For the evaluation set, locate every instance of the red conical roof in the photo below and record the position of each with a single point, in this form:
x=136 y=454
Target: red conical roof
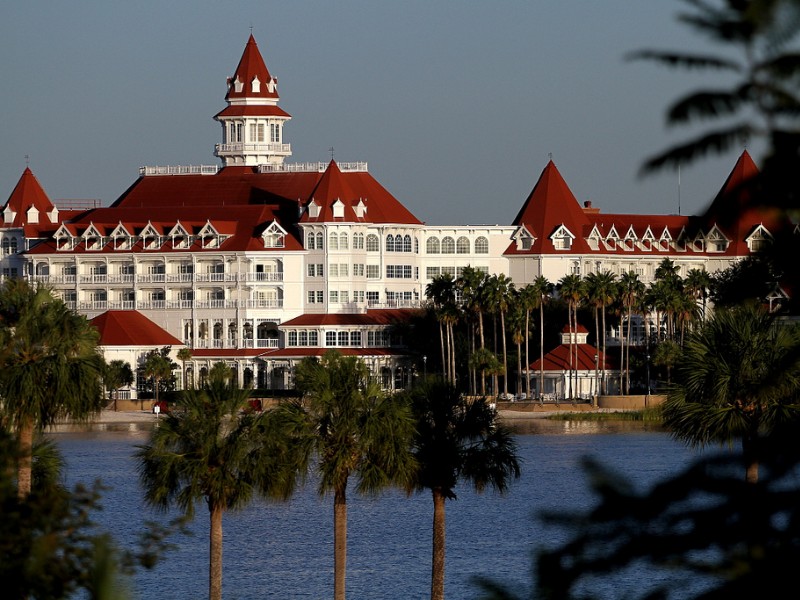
x=252 y=66
x=550 y=204
x=28 y=192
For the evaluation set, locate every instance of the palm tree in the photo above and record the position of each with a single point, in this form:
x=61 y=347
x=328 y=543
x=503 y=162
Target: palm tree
x=456 y=441
x=763 y=35
x=469 y=283
x=210 y=451
x=117 y=374
x=572 y=289
x=50 y=367
x=601 y=290
x=738 y=378
x=183 y=355
x=542 y=289
x=503 y=289
x=631 y=290
x=697 y=284
x=157 y=367
x=517 y=321
x=351 y=428
x=441 y=291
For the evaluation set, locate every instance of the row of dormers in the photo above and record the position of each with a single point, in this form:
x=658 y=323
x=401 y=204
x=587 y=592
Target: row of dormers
x=712 y=241
x=337 y=208
x=156 y=236
x=31 y=215
x=255 y=85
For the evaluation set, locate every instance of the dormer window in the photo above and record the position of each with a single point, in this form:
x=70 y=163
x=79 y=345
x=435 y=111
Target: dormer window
x=255 y=85
x=562 y=238
x=338 y=209
x=8 y=215
x=33 y=215
x=238 y=86
x=716 y=241
x=313 y=209
x=151 y=240
x=361 y=209
x=760 y=240
x=92 y=238
x=274 y=236
x=180 y=237
x=524 y=239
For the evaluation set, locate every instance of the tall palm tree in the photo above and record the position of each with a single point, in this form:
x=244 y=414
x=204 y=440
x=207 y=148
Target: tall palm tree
x=503 y=291
x=351 y=428
x=738 y=378
x=183 y=355
x=50 y=367
x=157 y=367
x=517 y=321
x=210 y=451
x=697 y=283
x=541 y=291
x=631 y=290
x=573 y=290
x=441 y=291
x=116 y=374
x=469 y=283
x=601 y=291
x=456 y=441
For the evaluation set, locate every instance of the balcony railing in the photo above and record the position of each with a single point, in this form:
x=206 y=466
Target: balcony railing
x=257 y=148
x=249 y=277
x=180 y=170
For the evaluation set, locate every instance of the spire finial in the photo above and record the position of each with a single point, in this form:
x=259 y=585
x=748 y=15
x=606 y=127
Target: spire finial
x=331 y=151
x=550 y=156
x=27 y=160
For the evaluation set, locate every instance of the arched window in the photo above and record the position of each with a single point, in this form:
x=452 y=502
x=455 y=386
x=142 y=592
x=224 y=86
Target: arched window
x=481 y=245
x=333 y=241
x=407 y=243
x=448 y=245
x=310 y=245
x=320 y=241
x=462 y=245
x=343 y=242
x=398 y=243
x=373 y=243
x=390 y=243
x=432 y=246
x=358 y=241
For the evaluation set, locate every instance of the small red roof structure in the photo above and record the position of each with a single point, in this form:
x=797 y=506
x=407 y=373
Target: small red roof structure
x=252 y=68
x=131 y=328
x=28 y=194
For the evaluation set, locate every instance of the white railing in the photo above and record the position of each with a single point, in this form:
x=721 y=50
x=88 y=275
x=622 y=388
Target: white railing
x=94 y=278
x=254 y=277
x=264 y=303
x=267 y=343
x=259 y=148
x=312 y=167
x=249 y=277
x=179 y=170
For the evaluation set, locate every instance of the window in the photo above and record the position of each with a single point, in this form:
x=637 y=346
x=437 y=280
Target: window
x=358 y=270
x=320 y=241
x=310 y=245
x=342 y=338
x=291 y=339
x=358 y=296
x=448 y=245
x=398 y=243
x=333 y=296
x=333 y=270
x=312 y=297
x=320 y=297
x=431 y=272
x=358 y=241
x=312 y=270
x=481 y=245
x=398 y=271
x=355 y=338
x=330 y=338
x=373 y=297
x=343 y=270
x=343 y=245
x=462 y=245
x=275 y=133
x=432 y=246
x=373 y=272
x=373 y=243
x=390 y=243
x=407 y=243
x=344 y=297
x=333 y=241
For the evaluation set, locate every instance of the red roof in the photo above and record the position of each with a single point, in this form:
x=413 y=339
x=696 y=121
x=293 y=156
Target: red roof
x=558 y=359
x=386 y=316
x=131 y=328
x=251 y=66
x=28 y=193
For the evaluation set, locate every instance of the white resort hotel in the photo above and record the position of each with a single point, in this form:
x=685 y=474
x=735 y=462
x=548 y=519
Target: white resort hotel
x=259 y=262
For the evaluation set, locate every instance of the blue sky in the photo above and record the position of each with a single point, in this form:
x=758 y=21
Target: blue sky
x=456 y=105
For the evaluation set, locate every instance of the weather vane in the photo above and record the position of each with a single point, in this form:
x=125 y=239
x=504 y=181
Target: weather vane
x=331 y=151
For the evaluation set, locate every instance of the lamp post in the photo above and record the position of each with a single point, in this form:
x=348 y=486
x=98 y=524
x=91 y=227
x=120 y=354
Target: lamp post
x=648 y=374
x=425 y=367
x=596 y=376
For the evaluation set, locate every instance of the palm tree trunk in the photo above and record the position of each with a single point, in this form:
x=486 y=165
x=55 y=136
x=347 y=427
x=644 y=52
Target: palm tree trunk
x=603 y=380
x=215 y=553
x=527 y=359
x=483 y=345
x=339 y=543
x=541 y=353
x=597 y=345
x=452 y=353
x=24 y=476
x=437 y=558
x=442 y=343
x=505 y=353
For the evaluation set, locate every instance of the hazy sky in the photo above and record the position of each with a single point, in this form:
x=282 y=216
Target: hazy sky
x=456 y=105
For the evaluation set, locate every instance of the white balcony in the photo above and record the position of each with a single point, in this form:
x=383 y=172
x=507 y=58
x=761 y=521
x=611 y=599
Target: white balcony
x=180 y=170
x=252 y=148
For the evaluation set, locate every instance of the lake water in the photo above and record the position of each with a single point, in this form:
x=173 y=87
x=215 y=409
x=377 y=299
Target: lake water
x=285 y=550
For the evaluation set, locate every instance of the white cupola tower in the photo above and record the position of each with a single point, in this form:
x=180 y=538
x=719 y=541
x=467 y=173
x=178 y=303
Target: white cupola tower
x=252 y=124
